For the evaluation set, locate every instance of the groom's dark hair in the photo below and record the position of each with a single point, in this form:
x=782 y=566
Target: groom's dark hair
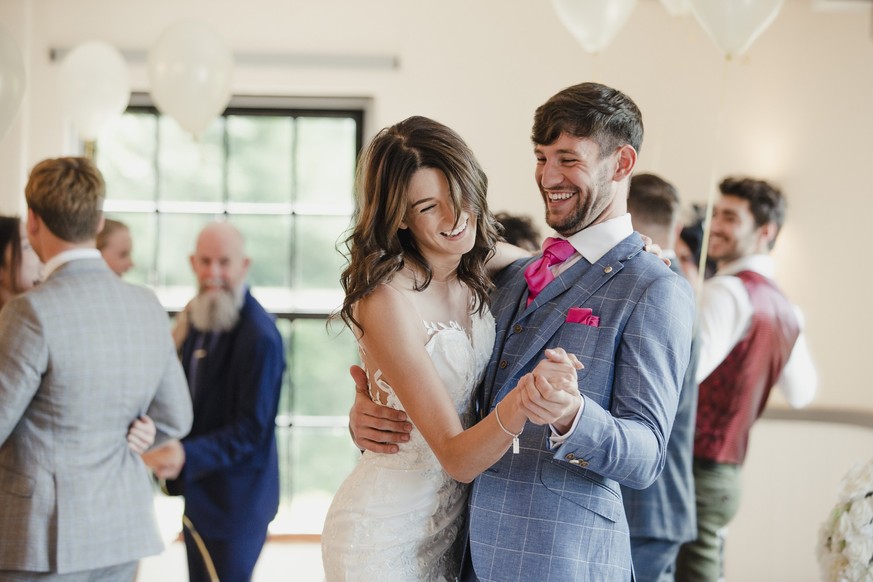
x=590 y=110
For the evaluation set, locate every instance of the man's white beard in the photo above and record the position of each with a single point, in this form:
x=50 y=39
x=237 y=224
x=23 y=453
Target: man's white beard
x=214 y=311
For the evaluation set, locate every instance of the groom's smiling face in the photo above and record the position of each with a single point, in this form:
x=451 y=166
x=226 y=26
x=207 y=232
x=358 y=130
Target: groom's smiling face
x=576 y=183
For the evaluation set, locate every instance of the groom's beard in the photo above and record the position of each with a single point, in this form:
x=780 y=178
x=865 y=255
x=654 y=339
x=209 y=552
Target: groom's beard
x=214 y=310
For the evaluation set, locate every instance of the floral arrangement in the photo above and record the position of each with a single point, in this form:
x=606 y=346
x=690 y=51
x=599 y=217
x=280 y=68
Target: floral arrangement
x=845 y=545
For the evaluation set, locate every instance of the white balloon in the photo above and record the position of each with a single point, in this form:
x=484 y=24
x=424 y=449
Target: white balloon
x=677 y=7
x=735 y=24
x=12 y=80
x=190 y=69
x=594 y=23
x=94 y=86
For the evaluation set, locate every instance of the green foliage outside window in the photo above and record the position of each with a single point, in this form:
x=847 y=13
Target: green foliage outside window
x=285 y=179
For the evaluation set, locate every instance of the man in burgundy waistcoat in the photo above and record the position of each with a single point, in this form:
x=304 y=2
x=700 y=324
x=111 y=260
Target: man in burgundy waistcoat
x=750 y=340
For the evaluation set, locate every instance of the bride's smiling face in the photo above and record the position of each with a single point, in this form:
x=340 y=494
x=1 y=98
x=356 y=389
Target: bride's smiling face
x=430 y=217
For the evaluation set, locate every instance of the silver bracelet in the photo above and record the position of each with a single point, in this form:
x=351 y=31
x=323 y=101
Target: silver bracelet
x=515 y=445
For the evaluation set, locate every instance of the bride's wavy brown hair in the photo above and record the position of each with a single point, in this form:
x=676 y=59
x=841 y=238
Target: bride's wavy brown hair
x=377 y=247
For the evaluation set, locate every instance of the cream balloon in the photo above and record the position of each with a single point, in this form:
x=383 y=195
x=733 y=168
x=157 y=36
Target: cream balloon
x=735 y=24
x=594 y=23
x=190 y=69
x=12 y=80
x=677 y=7
x=94 y=86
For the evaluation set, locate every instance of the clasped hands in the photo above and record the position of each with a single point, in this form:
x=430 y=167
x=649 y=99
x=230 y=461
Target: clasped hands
x=550 y=393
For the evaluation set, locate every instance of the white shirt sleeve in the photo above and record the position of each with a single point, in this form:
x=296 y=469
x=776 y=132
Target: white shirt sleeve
x=799 y=379
x=557 y=439
x=723 y=317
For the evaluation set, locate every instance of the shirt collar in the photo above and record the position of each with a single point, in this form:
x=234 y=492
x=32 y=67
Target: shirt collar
x=598 y=239
x=65 y=257
x=762 y=264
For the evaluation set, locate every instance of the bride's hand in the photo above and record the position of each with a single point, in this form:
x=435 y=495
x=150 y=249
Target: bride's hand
x=550 y=394
x=559 y=370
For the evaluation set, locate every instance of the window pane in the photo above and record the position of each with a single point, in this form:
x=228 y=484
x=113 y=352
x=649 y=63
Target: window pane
x=259 y=158
x=126 y=156
x=326 y=151
x=317 y=262
x=176 y=238
x=313 y=462
x=268 y=244
x=286 y=181
x=318 y=362
x=143 y=228
x=285 y=404
x=191 y=170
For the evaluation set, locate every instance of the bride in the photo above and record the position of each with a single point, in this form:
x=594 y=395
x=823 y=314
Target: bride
x=417 y=290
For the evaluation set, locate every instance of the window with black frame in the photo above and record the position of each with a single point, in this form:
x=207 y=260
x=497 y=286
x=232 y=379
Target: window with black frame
x=284 y=176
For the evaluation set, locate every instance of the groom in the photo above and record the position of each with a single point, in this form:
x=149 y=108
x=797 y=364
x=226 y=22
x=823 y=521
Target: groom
x=554 y=511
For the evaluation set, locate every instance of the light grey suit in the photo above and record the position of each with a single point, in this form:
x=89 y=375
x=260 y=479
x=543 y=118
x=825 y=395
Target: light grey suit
x=81 y=356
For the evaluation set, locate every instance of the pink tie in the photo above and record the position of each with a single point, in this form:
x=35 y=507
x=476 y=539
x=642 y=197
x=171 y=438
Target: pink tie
x=538 y=274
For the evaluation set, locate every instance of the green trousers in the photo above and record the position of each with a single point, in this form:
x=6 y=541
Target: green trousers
x=717 y=490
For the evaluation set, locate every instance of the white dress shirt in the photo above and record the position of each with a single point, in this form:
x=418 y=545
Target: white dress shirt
x=66 y=256
x=724 y=318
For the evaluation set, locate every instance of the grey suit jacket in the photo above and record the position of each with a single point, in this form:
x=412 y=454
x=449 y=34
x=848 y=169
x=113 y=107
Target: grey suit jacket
x=556 y=513
x=81 y=356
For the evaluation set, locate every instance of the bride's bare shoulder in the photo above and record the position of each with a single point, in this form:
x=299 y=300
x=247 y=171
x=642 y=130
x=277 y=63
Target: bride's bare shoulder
x=388 y=312
x=385 y=302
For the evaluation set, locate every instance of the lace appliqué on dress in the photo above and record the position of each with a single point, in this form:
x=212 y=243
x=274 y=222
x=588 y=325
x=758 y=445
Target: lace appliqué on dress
x=401 y=517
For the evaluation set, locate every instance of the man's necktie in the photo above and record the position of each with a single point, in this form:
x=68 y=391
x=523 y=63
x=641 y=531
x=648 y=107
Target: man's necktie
x=203 y=343
x=538 y=274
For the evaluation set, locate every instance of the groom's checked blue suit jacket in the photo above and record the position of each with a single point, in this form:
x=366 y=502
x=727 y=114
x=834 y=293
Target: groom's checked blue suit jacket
x=556 y=513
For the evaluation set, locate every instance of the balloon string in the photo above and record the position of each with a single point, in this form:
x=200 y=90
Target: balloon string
x=90 y=149
x=713 y=186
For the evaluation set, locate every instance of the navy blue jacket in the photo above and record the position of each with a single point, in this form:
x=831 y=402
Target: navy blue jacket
x=231 y=475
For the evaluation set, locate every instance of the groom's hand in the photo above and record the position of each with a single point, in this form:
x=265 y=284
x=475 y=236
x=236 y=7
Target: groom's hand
x=559 y=368
x=551 y=391
x=545 y=404
x=374 y=427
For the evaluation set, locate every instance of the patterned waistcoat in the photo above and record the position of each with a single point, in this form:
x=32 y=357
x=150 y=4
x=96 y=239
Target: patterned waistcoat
x=734 y=395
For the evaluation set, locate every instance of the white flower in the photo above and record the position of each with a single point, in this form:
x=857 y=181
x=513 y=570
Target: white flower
x=845 y=544
x=857 y=483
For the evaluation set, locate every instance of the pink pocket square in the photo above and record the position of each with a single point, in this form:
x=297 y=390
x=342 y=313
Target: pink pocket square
x=583 y=315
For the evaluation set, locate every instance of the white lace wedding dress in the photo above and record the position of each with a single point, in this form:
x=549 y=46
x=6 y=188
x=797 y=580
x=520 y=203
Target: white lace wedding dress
x=400 y=517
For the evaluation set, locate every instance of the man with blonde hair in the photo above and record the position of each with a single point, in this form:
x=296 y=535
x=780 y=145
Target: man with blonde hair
x=81 y=357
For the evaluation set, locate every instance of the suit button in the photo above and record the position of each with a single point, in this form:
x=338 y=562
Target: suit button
x=517 y=328
x=571 y=458
x=503 y=364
